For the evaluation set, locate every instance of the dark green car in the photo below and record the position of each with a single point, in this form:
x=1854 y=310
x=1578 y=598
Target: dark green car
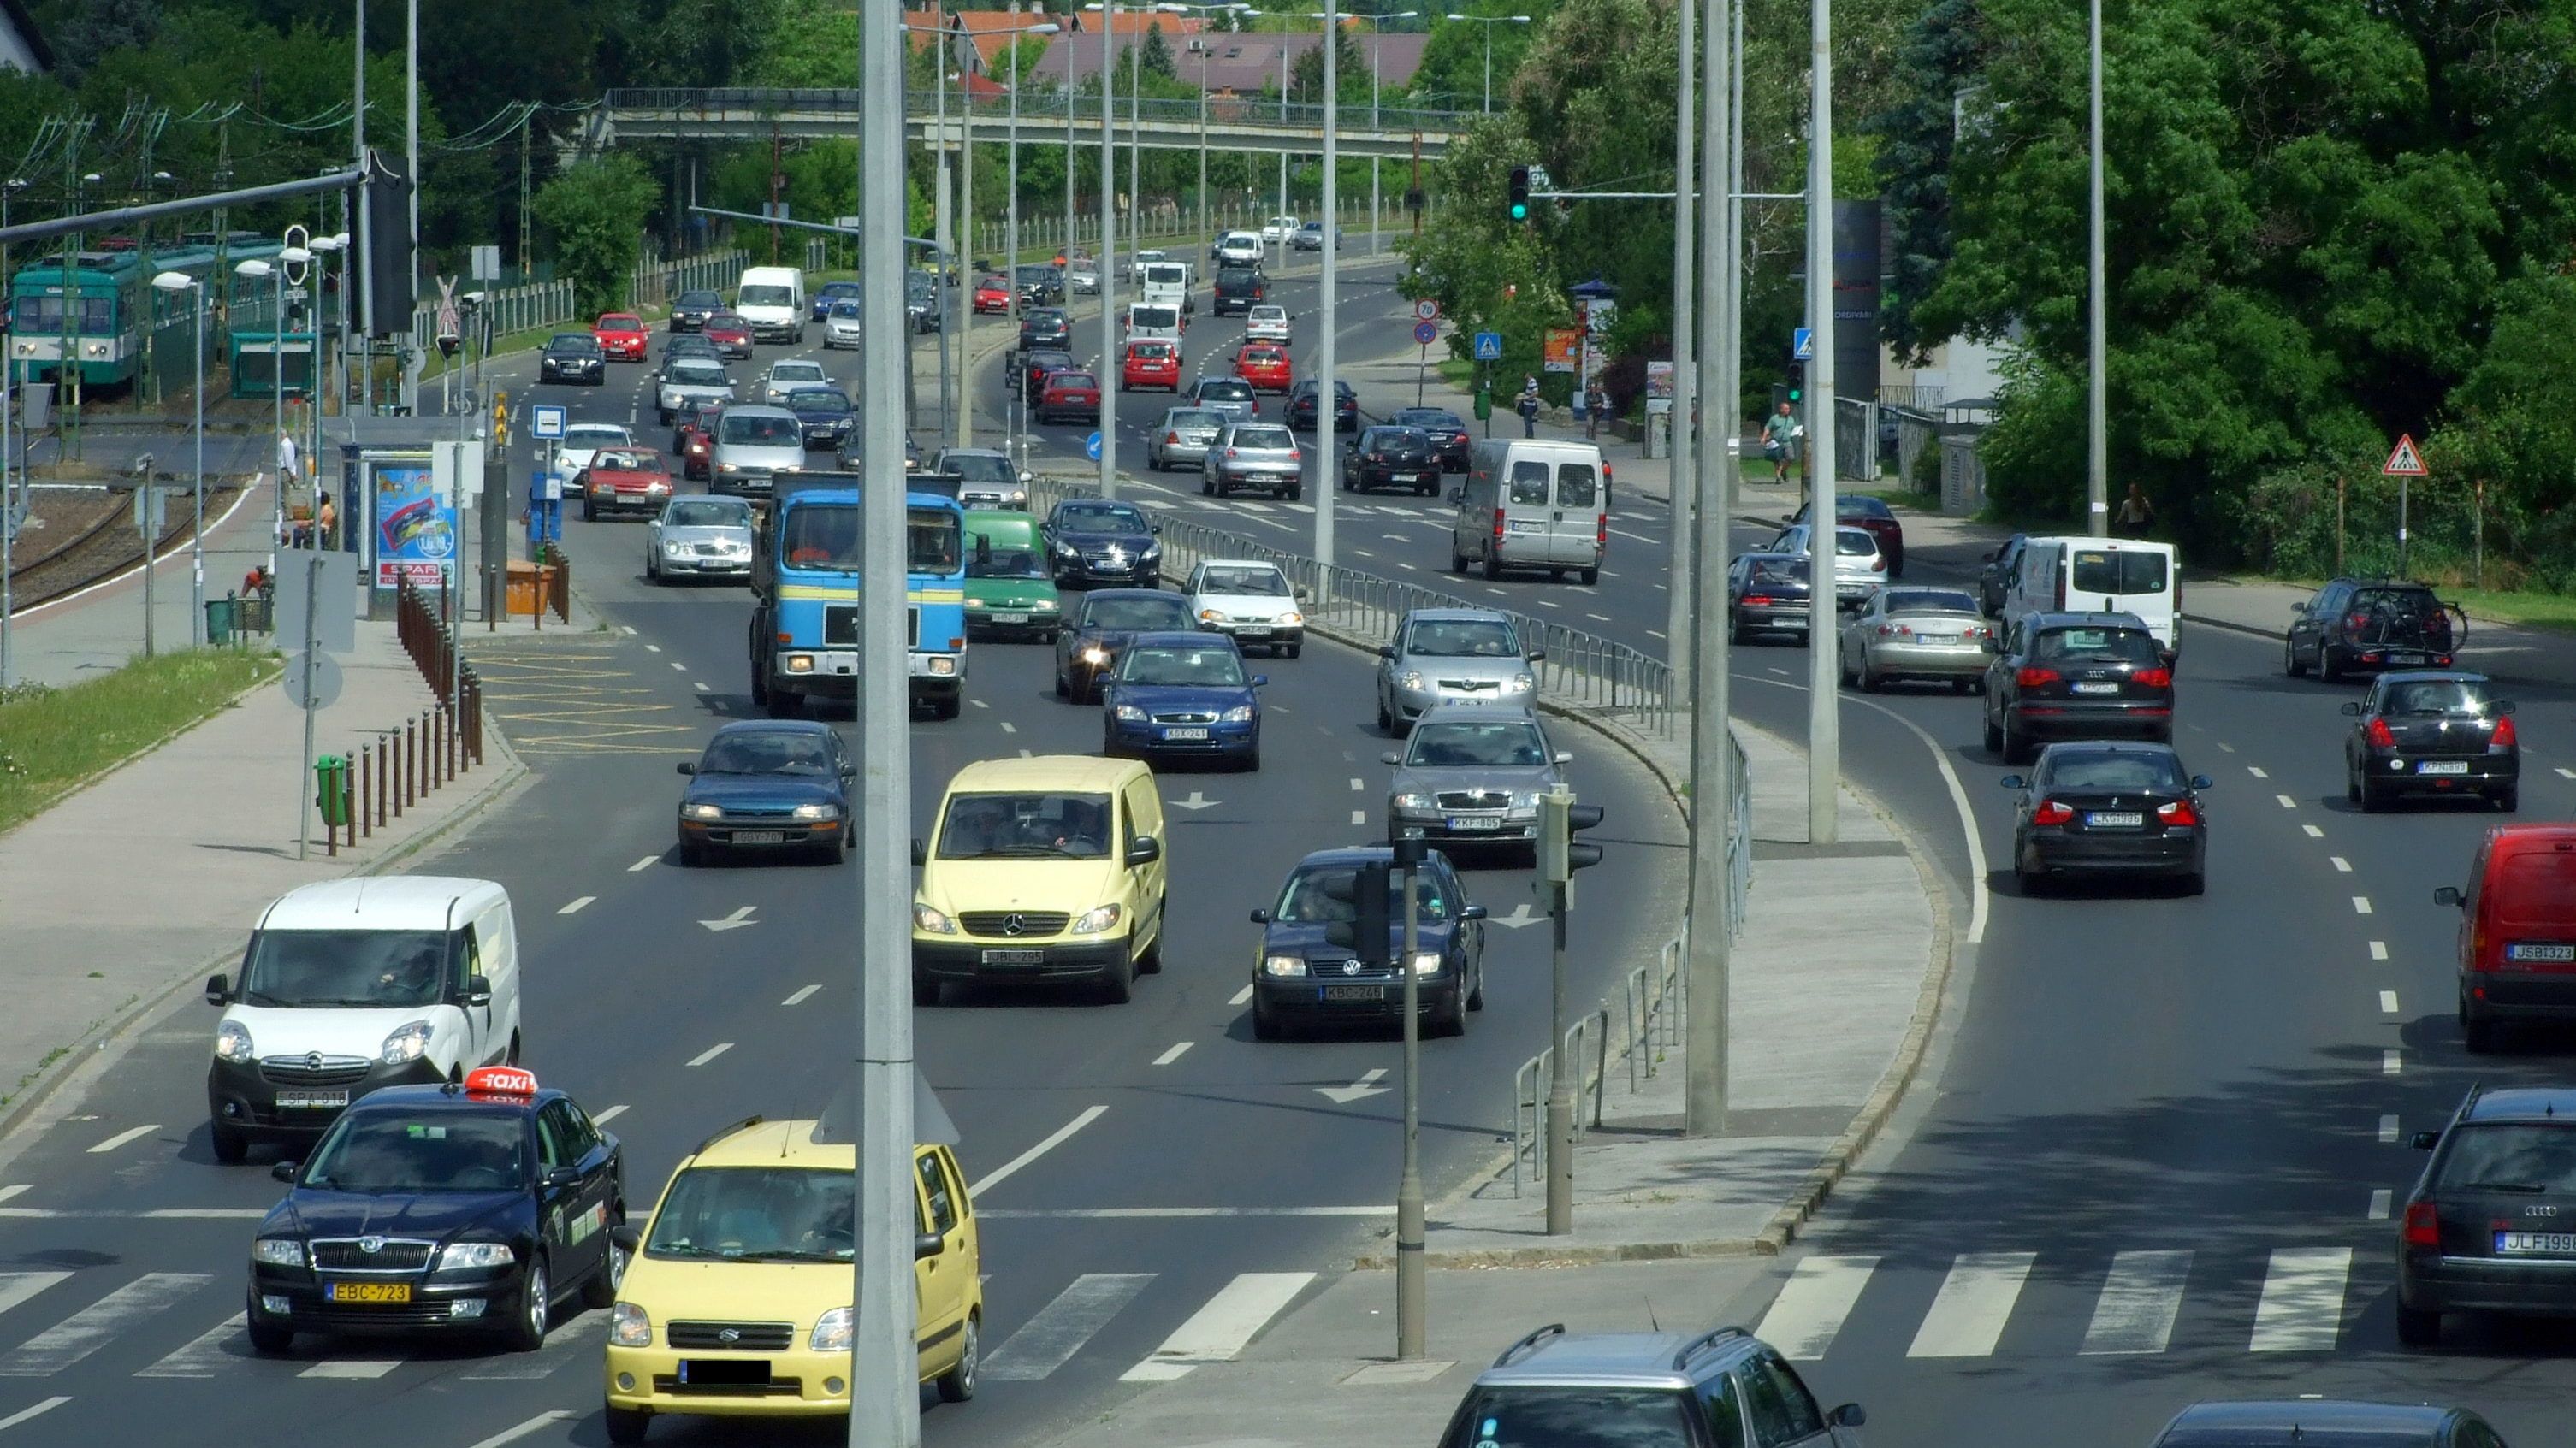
x=1010 y=592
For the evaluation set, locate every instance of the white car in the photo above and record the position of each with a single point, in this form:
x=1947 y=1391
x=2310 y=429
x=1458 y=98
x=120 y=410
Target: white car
x=1860 y=570
x=841 y=324
x=1238 y=248
x=1250 y=602
x=786 y=376
x=583 y=440
x=1266 y=323
x=1279 y=228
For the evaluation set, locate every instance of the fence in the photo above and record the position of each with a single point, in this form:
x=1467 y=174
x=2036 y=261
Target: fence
x=1041 y=106
x=400 y=766
x=512 y=309
x=1856 y=439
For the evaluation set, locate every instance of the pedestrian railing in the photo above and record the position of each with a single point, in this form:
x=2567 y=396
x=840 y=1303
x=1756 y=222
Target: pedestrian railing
x=1036 y=107
x=1535 y=1083
x=512 y=309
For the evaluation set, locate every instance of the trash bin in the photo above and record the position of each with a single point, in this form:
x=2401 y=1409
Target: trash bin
x=219 y=622
x=331 y=788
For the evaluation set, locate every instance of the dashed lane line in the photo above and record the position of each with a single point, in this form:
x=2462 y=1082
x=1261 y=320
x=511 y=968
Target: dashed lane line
x=646 y=863
x=122 y=1137
x=2381 y=1199
x=2379 y=950
x=2342 y=865
x=802 y=995
x=2388 y=1130
x=1174 y=1054
x=609 y=1115
x=2360 y=904
x=575 y=907
x=709 y=1054
x=2388 y=1002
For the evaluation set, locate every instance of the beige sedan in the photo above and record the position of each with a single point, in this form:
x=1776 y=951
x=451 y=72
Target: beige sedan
x=1933 y=634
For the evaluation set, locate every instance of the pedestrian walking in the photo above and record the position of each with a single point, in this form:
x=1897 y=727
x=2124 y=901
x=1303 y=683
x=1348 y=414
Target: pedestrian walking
x=1780 y=441
x=1528 y=407
x=1595 y=402
x=2136 y=514
x=287 y=466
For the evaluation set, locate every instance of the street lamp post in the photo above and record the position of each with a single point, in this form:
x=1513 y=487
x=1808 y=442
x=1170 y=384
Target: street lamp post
x=2097 y=401
x=1328 y=412
x=171 y=281
x=1108 y=253
x=1377 y=83
x=9 y=518
x=1012 y=204
x=1489 y=22
x=323 y=248
x=256 y=268
x=1234 y=10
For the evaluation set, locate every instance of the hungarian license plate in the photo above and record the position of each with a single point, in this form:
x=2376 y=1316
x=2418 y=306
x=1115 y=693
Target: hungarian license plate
x=1014 y=957
x=2441 y=766
x=724 y=1372
x=1193 y=732
x=1474 y=822
x=2095 y=686
x=1254 y=633
x=1355 y=992
x=1525 y=525
x=1010 y=618
x=759 y=837
x=2406 y=656
x=371 y=1293
x=2540 y=952
x=312 y=1100
x=2553 y=1243
x=2114 y=819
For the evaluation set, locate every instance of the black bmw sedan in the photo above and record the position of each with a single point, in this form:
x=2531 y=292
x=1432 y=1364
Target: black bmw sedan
x=2101 y=807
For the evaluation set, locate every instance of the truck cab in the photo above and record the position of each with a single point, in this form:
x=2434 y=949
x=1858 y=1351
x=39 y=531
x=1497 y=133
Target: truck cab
x=805 y=583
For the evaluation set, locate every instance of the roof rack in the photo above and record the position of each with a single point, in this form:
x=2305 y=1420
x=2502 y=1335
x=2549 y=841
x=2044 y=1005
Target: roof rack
x=743 y=1125
x=1705 y=1340
x=1553 y=1329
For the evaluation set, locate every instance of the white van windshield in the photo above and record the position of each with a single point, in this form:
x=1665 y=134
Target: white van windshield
x=764 y=294
x=316 y=968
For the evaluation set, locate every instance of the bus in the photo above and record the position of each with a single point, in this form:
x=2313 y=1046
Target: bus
x=805 y=582
x=112 y=303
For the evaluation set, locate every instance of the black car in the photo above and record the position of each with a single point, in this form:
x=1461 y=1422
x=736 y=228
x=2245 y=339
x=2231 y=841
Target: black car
x=1391 y=457
x=690 y=310
x=1045 y=328
x=1448 y=432
x=462 y=1208
x=765 y=785
x=1238 y=287
x=1096 y=541
x=2487 y=1227
x=825 y=413
x=2360 y=625
x=1994 y=576
x=2077 y=676
x=1101 y=626
x=2432 y=732
x=1872 y=516
x=1346 y=406
x=830 y=292
x=2101 y=807
x=1313 y=970
x=2315 y=1423
x=1768 y=593
x=572 y=357
x=1041 y=285
x=691 y=345
x=1034 y=367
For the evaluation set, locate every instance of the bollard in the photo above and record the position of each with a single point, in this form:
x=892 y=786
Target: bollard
x=365 y=822
x=430 y=778
x=349 y=805
x=384 y=780
x=402 y=770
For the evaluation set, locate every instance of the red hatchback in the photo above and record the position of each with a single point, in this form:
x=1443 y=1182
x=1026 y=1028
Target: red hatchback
x=1151 y=364
x=2517 y=933
x=1265 y=366
x=992 y=294
x=1069 y=394
x=623 y=480
x=730 y=334
x=695 y=440
x=622 y=336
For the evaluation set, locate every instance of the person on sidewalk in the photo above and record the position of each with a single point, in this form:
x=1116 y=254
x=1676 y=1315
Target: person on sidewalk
x=2136 y=514
x=1528 y=407
x=1595 y=402
x=1780 y=441
x=288 y=469
x=326 y=524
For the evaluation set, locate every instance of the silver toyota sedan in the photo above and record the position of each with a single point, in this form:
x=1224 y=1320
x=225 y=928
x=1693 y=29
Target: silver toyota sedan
x=1934 y=634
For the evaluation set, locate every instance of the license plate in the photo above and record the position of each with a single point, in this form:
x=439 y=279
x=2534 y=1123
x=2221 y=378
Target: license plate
x=2553 y=1243
x=381 y=1293
x=1189 y=733
x=1355 y=992
x=1525 y=525
x=1010 y=618
x=312 y=1100
x=2540 y=952
x=1253 y=633
x=2408 y=656
x=759 y=837
x=2095 y=687
x=2114 y=819
x=724 y=1372
x=2441 y=766
x=1014 y=957
x=1474 y=822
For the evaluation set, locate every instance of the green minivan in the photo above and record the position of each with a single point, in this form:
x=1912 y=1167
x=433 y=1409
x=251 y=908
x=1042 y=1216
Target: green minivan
x=1010 y=593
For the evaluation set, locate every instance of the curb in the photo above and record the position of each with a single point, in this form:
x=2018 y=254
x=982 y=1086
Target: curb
x=2233 y=627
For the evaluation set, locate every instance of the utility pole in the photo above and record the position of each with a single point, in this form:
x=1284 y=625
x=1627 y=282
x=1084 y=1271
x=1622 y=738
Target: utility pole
x=1677 y=604
x=413 y=357
x=2097 y=389
x=965 y=436
x=1412 y=1285
x=1710 y=938
x=1559 y=820
x=1824 y=666
x=1328 y=412
x=1108 y=251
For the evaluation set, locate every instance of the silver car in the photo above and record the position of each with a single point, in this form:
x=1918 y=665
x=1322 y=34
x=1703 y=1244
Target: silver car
x=1918 y=633
x=698 y=537
x=1472 y=774
x=788 y=374
x=1258 y=455
x=841 y=324
x=1452 y=656
x=753 y=443
x=1859 y=568
x=1183 y=436
x=689 y=382
x=1231 y=396
x=1082 y=276
x=992 y=480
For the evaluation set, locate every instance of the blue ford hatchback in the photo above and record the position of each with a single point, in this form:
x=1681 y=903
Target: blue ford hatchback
x=1182 y=694
x=768 y=784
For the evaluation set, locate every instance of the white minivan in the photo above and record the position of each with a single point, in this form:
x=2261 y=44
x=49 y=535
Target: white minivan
x=352 y=985
x=1531 y=503
x=1166 y=282
x=771 y=301
x=1154 y=322
x=2109 y=575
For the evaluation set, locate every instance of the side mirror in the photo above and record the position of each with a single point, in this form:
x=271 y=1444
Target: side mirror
x=928 y=1244
x=478 y=991
x=2298 y=608
x=2203 y=781
x=2450 y=895
x=1144 y=850
x=219 y=990
x=626 y=1239
x=2352 y=707
x=1157 y=527
x=2425 y=1140
x=1537 y=655
x=1260 y=917
x=848 y=773
x=2013 y=781
x=1788 y=517
x=1299 y=592
x=688 y=766
x=1260 y=680
x=1386 y=651
x=1849 y=1415
x=563 y=1178
x=2504 y=706
x=1387 y=758
x=285 y=1170
x=920 y=853
x=1026 y=477
x=1471 y=912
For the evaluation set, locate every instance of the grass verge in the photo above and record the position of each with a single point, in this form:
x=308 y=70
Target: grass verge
x=51 y=740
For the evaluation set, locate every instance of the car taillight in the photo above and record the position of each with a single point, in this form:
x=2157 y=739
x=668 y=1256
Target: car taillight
x=2379 y=735
x=1230 y=452
x=2504 y=737
x=2179 y=812
x=1171 y=437
x=2423 y=1225
x=1601 y=530
x=1760 y=600
x=2050 y=812
x=1498 y=522
x=1878 y=564
x=2030 y=678
x=2153 y=678
x=1296 y=456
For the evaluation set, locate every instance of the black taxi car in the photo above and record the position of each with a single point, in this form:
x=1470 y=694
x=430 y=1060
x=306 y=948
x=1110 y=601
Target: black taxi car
x=470 y=1207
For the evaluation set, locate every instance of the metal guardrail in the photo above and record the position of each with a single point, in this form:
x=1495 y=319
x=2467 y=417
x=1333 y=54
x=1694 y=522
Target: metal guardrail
x=1040 y=106
x=1535 y=1082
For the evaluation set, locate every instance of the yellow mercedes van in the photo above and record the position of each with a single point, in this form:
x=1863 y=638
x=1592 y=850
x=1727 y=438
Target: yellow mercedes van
x=1041 y=869
x=736 y=1298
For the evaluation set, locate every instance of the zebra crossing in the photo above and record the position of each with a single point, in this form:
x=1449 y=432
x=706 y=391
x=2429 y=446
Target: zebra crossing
x=138 y=1326
x=1983 y=1304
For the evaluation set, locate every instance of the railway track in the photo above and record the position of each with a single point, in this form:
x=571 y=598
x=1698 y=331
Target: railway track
x=101 y=545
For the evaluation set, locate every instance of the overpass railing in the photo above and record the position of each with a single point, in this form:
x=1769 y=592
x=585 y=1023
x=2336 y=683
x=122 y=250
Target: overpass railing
x=1039 y=107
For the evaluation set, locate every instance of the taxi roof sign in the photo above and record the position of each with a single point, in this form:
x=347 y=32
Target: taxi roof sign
x=501 y=1081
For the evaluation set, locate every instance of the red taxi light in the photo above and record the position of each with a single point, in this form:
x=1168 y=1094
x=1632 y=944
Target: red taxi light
x=502 y=1081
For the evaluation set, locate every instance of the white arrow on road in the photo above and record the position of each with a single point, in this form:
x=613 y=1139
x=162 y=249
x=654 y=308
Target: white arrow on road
x=1363 y=1087
x=1519 y=919
x=742 y=917
x=1196 y=800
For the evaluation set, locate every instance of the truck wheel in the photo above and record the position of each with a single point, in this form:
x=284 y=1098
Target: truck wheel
x=947 y=707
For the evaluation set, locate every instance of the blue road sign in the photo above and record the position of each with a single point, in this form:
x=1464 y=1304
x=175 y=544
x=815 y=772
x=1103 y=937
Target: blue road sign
x=1802 y=344
x=548 y=422
x=1489 y=346
x=1091 y=447
x=1426 y=333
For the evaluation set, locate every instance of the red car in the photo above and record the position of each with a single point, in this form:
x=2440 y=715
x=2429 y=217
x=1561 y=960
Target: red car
x=1069 y=394
x=695 y=440
x=1265 y=366
x=623 y=480
x=1151 y=364
x=992 y=294
x=730 y=334
x=622 y=336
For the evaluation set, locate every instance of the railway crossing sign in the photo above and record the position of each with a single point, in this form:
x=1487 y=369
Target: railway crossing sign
x=1489 y=346
x=2404 y=460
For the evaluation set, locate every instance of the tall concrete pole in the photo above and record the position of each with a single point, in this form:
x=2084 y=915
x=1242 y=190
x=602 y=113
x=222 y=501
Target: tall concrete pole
x=411 y=168
x=1710 y=939
x=1327 y=411
x=1412 y=1281
x=2097 y=390
x=1677 y=604
x=958 y=303
x=1824 y=663
x=966 y=231
x=884 y=1395
x=1108 y=251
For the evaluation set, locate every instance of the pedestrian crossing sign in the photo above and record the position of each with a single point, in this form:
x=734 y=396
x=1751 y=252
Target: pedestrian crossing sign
x=2404 y=460
x=1489 y=346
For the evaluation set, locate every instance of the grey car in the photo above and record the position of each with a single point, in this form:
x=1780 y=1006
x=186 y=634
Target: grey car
x=1471 y=774
x=1231 y=396
x=689 y=382
x=1254 y=455
x=698 y=537
x=1935 y=634
x=1720 y=1387
x=992 y=480
x=1183 y=436
x=753 y=443
x=1452 y=656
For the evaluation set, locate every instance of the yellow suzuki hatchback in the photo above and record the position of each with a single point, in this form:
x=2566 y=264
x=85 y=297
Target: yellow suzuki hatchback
x=736 y=1299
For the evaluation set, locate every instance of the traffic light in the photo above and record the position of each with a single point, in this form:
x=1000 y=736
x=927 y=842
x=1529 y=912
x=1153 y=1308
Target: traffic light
x=389 y=295
x=1798 y=382
x=1520 y=193
x=1372 y=931
x=1560 y=819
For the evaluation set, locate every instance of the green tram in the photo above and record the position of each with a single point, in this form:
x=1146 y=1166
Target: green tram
x=115 y=302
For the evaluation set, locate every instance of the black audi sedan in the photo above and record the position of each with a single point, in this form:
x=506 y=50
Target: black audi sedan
x=572 y=357
x=1450 y=439
x=1391 y=457
x=2077 y=676
x=2109 y=808
x=1313 y=971
x=1301 y=406
x=1099 y=628
x=2490 y=1227
x=2430 y=734
x=1098 y=541
x=471 y=1208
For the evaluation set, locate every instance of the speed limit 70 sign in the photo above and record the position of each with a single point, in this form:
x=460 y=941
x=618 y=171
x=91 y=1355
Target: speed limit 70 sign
x=1427 y=309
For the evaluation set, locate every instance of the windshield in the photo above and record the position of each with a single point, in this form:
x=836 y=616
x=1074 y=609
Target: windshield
x=846 y=307
x=1151 y=351
x=820 y=535
x=1258 y=579
x=1153 y=317
x=768 y=751
x=1928 y=600
x=1006 y=563
x=2106 y=771
x=1100 y=518
x=1462 y=638
x=760 y=1214
x=1264 y=357
x=1209 y=668
x=2115 y=570
x=1571 y=1417
x=619 y=460
x=2438 y=696
x=591 y=439
x=2095 y=646
x=1510 y=744
x=1137 y=615
x=347 y=967
x=441 y=1149
x=1165 y=273
x=819 y=399
x=1398 y=437
x=619 y=322
x=1262 y=437
x=750 y=429
x=1025 y=826
x=978 y=467
x=573 y=342
x=1231 y=389
x=2511 y=1156
x=698 y=301
x=763 y=294
x=1854 y=543
x=707 y=372
x=1325 y=894
x=725 y=322
x=708 y=514
x=934 y=540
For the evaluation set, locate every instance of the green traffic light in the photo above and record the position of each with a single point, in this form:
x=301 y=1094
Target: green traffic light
x=1520 y=211
x=1796 y=396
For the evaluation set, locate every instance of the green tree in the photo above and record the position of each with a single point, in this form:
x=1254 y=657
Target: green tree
x=1155 y=55
x=1351 y=87
x=589 y=213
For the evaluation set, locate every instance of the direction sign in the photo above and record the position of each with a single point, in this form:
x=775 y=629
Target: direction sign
x=1489 y=346
x=2404 y=460
x=547 y=422
x=1427 y=309
x=1091 y=447
x=1802 y=344
x=1426 y=333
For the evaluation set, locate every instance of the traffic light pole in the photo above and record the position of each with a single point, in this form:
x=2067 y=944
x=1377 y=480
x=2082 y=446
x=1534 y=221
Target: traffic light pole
x=1412 y=1287
x=1824 y=666
x=1559 y=818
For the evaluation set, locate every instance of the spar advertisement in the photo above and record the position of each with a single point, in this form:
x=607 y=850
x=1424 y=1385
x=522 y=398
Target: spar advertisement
x=415 y=534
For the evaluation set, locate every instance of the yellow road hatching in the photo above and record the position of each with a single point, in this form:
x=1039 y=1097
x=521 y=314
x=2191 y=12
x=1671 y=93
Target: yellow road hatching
x=576 y=699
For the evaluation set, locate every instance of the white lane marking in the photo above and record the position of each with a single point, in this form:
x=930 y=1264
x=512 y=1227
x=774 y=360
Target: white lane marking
x=1549 y=603
x=2302 y=1306
x=1239 y=997
x=2388 y=1129
x=2256 y=771
x=1054 y=1139
x=699 y=684
x=584 y=1336
x=2565 y=773
x=1598 y=617
x=1049 y=1340
x=17 y=1287
x=1978 y=895
x=153 y=1214
x=514 y=1434
x=355 y=1369
x=1496 y=592
x=1813 y=1304
x=2379 y=950
x=1968 y=1313
x=627 y=628
x=2223 y=748
x=802 y=995
x=653 y=648
x=1357 y=783
x=710 y=1053
x=48 y=1405
x=646 y=863
x=205 y=1355
x=122 y=1137
x=2360 y=904
x=1654 y=633
x=609 y=1115
x=2313 y=832
x=10 y=1191
x=1407 y=567
x=2286 y=801
x=1124 y=1214
x=1026 y=754
x=1633 y=537
x=1174 y=1054
x=683 y=668
x=1362 y=553
x=978 y=703
x=575 y=907
x=2342 y=865
x=1010 y=728
x=1219 y=1331
x=2139 y=1302
x=2388 y=1002
x=1359 y=816
x=88 y=1330
x=2381 y=1199
x=2391 y=1062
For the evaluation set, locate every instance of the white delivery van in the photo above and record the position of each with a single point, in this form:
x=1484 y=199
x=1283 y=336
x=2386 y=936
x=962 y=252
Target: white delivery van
x=1168 y=283
x=351 y=985
x=1153 y=322
x=1531 y=503
x=771 y=300
x=2112 y=575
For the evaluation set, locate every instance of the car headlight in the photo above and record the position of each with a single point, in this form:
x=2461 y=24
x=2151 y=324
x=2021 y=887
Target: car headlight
x=1098 y=919
x=629 y=1326
x=1525 y=799
x=1239 y=714
x=701 y=812
x=816 y=812
x=232 y=1043
x=1412 y=801
x=278 y=1252
x=1095 y=655
x=1017 y=497
x=475 y=1256
x=931 y=922
x=1409 y=679
x=831 y=1332
x=405 y=1044
x=1066 y=550
x=1129 y=714
x=1043 y=605
x=1426 y=962
x=727 y=468
x=1152 y=550
x=1519 y=684
x=1291 y=618
x=1283 y=965
x=673 y=547
x=1210 y=615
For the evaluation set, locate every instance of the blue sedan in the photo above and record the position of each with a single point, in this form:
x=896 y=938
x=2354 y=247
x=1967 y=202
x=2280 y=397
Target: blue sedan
x=768 y=784
x=1311 y=971
x=1182 y=694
